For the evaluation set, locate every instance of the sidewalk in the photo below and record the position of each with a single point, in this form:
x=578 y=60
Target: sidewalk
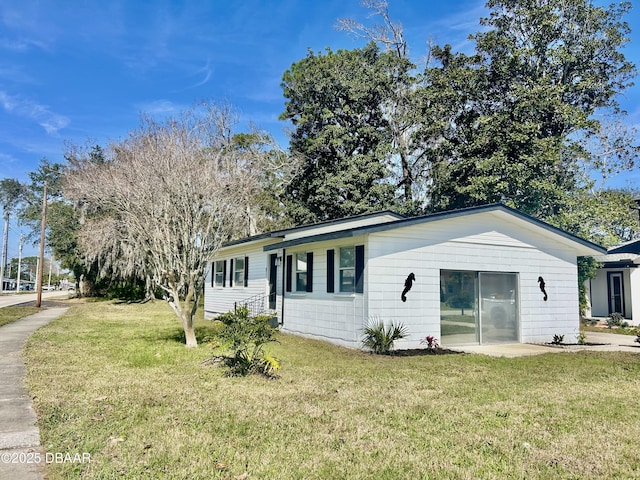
x=19 y=434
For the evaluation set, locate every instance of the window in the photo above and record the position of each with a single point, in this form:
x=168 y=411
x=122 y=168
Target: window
x=300 y=264
x=301 y=272
x=347 y=269
x=219 y=268
x=240 y=271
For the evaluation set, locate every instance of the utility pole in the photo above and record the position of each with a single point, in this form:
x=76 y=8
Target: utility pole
x=41 y=257
x=19 y=265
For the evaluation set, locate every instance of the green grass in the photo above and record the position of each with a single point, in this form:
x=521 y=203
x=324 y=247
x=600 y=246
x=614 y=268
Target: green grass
x=11 y=314
x=616 y=330
x=115 y=381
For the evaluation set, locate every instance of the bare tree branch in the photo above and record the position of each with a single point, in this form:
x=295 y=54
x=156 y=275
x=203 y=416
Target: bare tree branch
x=168 y=198
x=389 y=34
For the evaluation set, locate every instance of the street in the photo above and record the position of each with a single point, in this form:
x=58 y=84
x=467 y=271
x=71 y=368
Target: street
x=8 y=299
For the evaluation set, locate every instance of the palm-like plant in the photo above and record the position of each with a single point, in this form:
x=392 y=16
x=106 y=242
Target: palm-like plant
x=379 y=338
x=244 y=337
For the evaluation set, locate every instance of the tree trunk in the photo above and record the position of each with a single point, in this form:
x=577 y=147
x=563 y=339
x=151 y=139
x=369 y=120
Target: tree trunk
x=148 y=286
x=189 y=333
x=407 y=180
x=86 y=286
x=186 y=319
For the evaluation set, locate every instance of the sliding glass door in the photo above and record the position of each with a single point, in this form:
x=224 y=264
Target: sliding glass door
x=478 y=307
x=458 y=307
x=499 y=307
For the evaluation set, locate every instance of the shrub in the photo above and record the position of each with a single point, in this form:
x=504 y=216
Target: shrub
x=582 y=337
x=431 y=342
x=243 y=338
x=615 y=320
x=557 y=339
x=379 y=338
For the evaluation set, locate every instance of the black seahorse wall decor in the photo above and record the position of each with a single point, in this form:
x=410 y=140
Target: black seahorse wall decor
x=408 y=283
x=541 y=282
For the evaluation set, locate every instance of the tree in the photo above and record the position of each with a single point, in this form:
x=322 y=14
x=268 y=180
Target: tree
x=165 y=201
x=266 y=210
x=389 y=33
x=610 y=149
x=336 y=104
x=508 y=120
x=10 y=195
x=62 y=223
x=607 y=217
x=409 y=165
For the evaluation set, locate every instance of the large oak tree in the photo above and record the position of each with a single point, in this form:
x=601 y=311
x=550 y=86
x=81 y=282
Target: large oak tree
x=509 y=123
x=337 y=103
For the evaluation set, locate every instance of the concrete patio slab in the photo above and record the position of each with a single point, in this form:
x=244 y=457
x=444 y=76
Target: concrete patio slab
x=596 y=341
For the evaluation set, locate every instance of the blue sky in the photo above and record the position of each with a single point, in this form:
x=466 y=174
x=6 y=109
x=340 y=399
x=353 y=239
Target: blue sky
x=83 y=70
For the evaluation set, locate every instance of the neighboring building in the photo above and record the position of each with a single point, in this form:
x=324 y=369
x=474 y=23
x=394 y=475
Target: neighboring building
x=486 y=274
x=8 y=284
x=616 y=287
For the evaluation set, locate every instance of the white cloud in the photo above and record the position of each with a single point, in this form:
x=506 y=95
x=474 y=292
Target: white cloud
x=50 y=121
x=6 y=159
x=15 y=45
x=206 y=71
x=160 y=107
x=15 y=74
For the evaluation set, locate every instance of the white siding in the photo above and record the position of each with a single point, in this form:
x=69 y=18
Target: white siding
x=599 y=295
x=222 y=299
x=334 y=317
x=480 y=243
x=599 y=289
x=483 y=242
x=634 y=293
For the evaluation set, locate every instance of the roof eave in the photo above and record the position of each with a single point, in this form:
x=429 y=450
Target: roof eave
x=581 y=246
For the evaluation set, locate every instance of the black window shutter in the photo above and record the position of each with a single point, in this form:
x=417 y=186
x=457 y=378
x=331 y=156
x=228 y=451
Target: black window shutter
x=309 y=271
x=213 y=273
x=231 y=272
x=359 y=268
x=289 y=272
x=330 y=271
x=224 y=274
x=246 y=271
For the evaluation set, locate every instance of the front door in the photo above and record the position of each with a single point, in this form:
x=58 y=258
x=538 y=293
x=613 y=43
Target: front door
x=273 y=276
x=616 y=293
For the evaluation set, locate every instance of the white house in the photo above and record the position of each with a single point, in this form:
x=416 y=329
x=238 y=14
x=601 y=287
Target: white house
x=616 y=287
x=486 y=274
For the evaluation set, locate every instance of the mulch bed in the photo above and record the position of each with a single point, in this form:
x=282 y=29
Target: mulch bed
x=420 y=352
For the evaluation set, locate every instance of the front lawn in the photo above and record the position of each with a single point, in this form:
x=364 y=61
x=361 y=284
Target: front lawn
x=114 y=381
x=11 y=314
